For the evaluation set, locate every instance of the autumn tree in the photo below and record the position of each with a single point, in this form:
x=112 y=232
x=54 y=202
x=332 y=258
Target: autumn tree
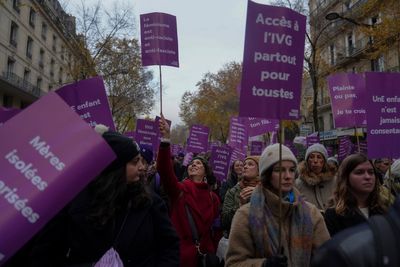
x=214 y=101
x=128 y=83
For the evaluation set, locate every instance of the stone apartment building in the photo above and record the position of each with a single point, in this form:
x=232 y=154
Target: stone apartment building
x=343 y=47
x=37 y=47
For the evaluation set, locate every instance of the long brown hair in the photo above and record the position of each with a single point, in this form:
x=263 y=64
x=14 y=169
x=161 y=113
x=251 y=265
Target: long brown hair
x=344 y=198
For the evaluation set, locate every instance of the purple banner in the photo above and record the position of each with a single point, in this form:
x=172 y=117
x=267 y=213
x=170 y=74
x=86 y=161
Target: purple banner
x=256 y=148
x=88 y=98
x=237 y=134
x=383 y=107
x=312 y=139
x=348 y=99
x=198 y=139
x=147 y=133
x=176 y=149
x=220 y=159
x=159 y=39
x=7 y=113
x=258 y=126
x=345 y=147
x=237 y=155
x=42 y=167
x=272 y=62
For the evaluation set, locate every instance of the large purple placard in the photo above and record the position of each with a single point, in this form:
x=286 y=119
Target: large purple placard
x=43 y=167
x=272 y=62
x=88 y=98
x=348 y=99
x=220 y=159
x=198 y=139
x=383 y=107
x=147 y=133
x=159 y=39
x=7 y=113
x=256 y=148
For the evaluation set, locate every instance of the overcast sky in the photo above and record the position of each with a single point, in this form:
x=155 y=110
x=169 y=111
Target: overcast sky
x=210 y=34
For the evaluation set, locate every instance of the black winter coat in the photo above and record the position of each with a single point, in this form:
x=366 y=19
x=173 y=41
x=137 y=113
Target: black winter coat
x=146 y=239
x=336 y=223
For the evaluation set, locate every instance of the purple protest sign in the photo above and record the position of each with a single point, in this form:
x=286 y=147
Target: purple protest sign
x=159 y=39
x=237 y=155
x=220 y=160
x=237 y=134
x=88 y=98
x=42 y=167
x=198 y=139
x=256 y=148
x=345 y=147
x=7 y=113
x=176 y=149
x=383 y=107
x=258 y=126
x=312 y=139
x=213 y=144
x=147 y=133
x=272 y=62
x=348 y=99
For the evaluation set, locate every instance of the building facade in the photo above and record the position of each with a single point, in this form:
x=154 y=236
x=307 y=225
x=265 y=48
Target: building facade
x=345 y=45
x=37 y=49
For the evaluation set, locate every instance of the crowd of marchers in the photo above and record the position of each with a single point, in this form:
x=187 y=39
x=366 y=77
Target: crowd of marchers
x=271 y=211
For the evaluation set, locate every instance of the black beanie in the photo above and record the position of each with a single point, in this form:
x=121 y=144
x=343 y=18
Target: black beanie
x=124 y=147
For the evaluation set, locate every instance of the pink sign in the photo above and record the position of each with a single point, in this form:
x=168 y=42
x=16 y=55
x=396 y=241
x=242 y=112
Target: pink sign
x=43 y=167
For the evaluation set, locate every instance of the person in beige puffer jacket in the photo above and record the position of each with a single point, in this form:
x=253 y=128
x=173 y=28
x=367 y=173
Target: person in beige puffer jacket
x=315 y=182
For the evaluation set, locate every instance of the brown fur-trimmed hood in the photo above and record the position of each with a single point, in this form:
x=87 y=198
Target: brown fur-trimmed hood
x=311 y=178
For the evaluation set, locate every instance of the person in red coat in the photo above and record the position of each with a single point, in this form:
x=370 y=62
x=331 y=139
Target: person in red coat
x=193 y=192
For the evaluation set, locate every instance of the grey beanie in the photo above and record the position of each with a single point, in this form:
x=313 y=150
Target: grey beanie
x=270 y=156
x=317 y=148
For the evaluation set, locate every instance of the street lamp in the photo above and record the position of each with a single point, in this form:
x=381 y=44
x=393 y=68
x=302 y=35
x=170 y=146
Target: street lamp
x=334 y=16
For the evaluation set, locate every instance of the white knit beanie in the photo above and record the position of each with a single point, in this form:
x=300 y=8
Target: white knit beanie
x=270 y=156
x=317 y=148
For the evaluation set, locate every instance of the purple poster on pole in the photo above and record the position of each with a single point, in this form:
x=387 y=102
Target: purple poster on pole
x=256 y=148
x=258 y=126
x=42 y=167
x=237 y=155
x=345 y=147
x=272 y=62
x=147 y=133
x=88 y=98
x=237 y=134
x=7 y=113
x=348 y=99
x=312 y=139
x=198 y=139
x=159 y=39
x=383 y=107
x=176 y=149
x=220 y=159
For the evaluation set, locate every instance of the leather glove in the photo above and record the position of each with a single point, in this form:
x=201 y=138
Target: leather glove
x=279 y=260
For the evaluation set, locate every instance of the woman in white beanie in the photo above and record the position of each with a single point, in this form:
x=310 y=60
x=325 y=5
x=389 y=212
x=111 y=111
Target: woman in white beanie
x=316 y=183
x=253 y=240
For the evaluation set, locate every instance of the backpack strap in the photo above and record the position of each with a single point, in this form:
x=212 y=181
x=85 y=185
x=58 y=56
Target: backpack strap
x=385 y=241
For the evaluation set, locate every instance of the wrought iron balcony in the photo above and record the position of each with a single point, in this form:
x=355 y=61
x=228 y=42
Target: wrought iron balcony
x=21 y=84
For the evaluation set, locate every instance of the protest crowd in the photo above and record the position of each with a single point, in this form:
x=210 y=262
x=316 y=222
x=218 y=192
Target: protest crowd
x=273 y=209
x=80 y=194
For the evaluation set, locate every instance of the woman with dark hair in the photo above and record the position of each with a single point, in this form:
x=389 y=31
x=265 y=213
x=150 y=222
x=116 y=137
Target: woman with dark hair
x=235 y=174
x=258 y=225
x=357 y=195
x=115 y=211
x=191 y=196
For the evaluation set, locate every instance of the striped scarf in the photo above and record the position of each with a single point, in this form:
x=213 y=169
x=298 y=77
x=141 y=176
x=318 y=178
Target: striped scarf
x=297 y=228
